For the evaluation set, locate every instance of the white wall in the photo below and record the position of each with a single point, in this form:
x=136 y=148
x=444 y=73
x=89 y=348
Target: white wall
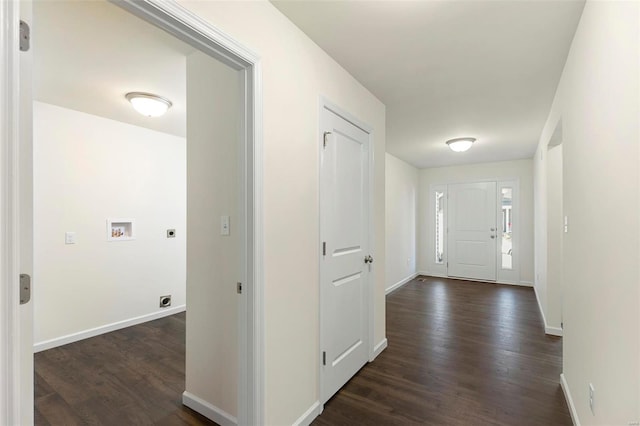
x=88 y=169
x=504 y=170
x=401 y=191
x=213 y=260
x=295 y=73
x=598 y=102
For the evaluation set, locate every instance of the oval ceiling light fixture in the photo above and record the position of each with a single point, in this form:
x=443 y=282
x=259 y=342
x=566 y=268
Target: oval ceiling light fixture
x=148 y=104
x=460 y=144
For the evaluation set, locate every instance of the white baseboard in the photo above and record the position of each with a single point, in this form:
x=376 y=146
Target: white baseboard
x=553 y=331
x=308 y=416
x=432 y=274
x=516 y=283
x=400 y=283
x=208 y=410
x=377 y=349
x=544 y=319
x=92 y=332
x=567 y=396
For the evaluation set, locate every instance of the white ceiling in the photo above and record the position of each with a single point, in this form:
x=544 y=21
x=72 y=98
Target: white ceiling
x=446 y=69
x=89 y=54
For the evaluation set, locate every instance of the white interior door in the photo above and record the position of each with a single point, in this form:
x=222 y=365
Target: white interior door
x=472 y=233
x=345 y=260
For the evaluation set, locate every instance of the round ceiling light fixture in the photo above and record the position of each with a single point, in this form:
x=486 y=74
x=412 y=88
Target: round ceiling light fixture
x=148 y=104
x=460 y=144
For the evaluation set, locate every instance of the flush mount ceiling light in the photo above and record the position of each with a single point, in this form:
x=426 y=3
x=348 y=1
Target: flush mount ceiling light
x=460 y=144
x=148 y=104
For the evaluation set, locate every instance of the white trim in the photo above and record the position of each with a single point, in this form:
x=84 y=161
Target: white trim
x=107 y=328
x=377 y=350
x=399 y=284
x=437 y=275
x=210 y=411
x=515 y=283
x=553 y=331
x=433 y=274
x=569 y=398
x=308 y=416
x=544 y=319
x=11 y=365
x=174 y=18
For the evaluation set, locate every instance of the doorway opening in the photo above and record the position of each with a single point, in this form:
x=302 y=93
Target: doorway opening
x=242 y=212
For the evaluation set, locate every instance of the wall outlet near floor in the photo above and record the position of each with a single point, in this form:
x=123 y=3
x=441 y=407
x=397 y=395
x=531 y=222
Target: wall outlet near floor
x=591 y=395
x=165 y=301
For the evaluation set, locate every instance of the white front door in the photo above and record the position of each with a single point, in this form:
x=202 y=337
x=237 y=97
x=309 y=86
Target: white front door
x=345 y=263
x=472 y=231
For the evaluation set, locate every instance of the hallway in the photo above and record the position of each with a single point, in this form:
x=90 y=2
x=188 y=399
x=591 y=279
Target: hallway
x=459 y=353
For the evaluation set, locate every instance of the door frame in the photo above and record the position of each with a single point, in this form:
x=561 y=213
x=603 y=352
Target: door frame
x=180 y=22
x=512 y=277
x=10 y=133
x=325 y=103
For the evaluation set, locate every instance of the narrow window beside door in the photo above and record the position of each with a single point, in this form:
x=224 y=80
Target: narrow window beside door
x=507 y=226
x=439 y=227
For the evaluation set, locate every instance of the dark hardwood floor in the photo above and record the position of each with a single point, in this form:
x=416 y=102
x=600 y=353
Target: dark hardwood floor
x=460 y=353
x=133 y=376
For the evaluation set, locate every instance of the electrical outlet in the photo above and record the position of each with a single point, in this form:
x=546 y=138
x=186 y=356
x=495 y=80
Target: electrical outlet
x=165 y=301
x=591 y=396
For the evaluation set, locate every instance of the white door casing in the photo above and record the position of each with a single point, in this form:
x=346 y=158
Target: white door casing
x=345 y=275
x=16 y=213
x=16 y=227
x=472 y=231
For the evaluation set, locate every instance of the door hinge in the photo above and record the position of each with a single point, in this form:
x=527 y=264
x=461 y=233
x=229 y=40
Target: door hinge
x=324 y=358
x=325 y=138
x=25 y=288
x=324 y=248
x=239 y=288
x=25 y=36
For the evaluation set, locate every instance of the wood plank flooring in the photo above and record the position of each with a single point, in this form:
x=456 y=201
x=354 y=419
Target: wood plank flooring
x=133 y=376
x=460 y=353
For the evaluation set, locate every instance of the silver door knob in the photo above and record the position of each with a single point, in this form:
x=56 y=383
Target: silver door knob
x=493 y=236
x=368 y=259
x=493 y=229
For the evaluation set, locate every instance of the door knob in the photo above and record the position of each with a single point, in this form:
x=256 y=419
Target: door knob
x=368 y=259
x=493 y=229
x=493 y=236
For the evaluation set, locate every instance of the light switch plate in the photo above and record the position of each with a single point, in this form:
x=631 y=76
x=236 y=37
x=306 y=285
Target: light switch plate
x=69 y=237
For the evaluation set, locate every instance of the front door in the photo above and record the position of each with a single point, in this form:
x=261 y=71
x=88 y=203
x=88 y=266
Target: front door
x=472 y=231
x=345 y=262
